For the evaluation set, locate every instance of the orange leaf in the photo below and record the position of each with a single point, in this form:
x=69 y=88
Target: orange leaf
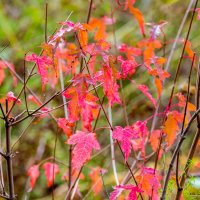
x=66 y=125
x=83 y=38
x=161 y=60
x=158 y=84
x=198 y=165
x=154 y=139
x=73 y=106
x=96 y=180
x=171 y=128
x=149 y=182
x=191 y=107
x=182 y=102
x=100 y=26
x=139 y=17
x=189 y=50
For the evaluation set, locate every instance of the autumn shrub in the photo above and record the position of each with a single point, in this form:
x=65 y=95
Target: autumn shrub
x=116 y=118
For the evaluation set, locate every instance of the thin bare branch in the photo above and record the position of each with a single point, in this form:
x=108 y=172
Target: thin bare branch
x=195 y=140
x=178 y=146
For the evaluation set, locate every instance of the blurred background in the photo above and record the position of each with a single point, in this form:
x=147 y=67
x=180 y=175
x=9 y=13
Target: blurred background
x=22 y=30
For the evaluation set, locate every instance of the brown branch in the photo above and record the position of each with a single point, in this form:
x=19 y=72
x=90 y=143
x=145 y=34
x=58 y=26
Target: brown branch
x=178 y=146
x=2 y=111
x=26 y=104
x=9 y=157
x=40 y=107
x=25 y=83
x=73 y=185
x=35 y=111
x=129 y=168
x=3 y=154
x=89 y=11
x=195 y=140
x=184 y=117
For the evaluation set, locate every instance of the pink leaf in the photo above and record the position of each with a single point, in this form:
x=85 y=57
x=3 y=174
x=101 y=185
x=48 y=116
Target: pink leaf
x=72 y=26
x=127 y=66
x=107 y=76
x=58 y=35
x=141 y=130
x=124 y=136
x=145 y=90
x=84 y=143
x=51 y=169
x=11 y=97
x=120 y=188
x=117 y=191
x=33 y=173
x=130 y=51
x=42 y=63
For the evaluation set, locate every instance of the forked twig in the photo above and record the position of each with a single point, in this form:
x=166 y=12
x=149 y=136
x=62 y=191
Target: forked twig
x=195 y=140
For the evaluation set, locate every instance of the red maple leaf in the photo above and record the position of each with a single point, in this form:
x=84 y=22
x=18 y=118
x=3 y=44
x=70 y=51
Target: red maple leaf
x=124 y=136
x=89 y=111
x=130 y=51
x=107 y=76
x=141 y=129
x=145 y=90
x=127 y=66
x=82 y=103
x=42 y=63
x=33 y=173
x=84 y=143
x=120 y=188
x=51 y=169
